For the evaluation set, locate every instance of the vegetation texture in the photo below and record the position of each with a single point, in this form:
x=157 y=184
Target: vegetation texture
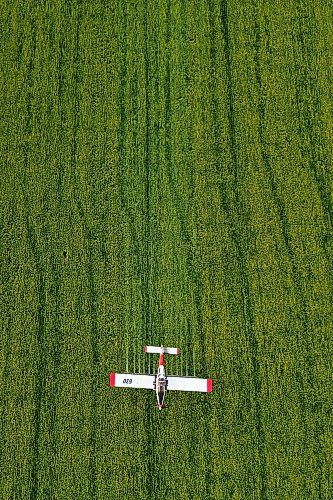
x=166 y=178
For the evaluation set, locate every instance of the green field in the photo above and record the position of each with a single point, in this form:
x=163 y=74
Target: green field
x=166 y=178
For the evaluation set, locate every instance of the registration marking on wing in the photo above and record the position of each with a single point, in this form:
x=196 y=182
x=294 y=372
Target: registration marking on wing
x=132 y=380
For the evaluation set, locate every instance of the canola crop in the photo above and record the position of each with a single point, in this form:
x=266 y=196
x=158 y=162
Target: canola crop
x=166 y=179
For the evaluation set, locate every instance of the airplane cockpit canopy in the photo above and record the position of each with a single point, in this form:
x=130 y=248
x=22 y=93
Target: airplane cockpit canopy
x=160 y=390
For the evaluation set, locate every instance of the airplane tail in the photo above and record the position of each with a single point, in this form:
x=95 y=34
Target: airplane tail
x=150 y=349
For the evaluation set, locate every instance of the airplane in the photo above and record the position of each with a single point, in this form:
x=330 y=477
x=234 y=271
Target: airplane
x=160 y=382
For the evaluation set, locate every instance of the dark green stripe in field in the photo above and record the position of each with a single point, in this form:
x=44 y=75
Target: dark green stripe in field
x=166 y=178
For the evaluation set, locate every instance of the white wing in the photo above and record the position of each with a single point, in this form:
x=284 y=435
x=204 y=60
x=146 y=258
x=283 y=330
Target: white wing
x=190 y=384
x=134 y=380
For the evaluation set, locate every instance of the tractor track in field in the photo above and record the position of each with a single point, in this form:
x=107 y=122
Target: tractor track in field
x=60 y=93
x=89 y=266
x=281 y=209
x=4 y=385
x=40 y=281
x=168 y=162
x=283 y=222
x=147 y=302
x=6 y=306
x=41 y=362
x=190 y=260
x=147 y=195
x=232 y=210
x=190 y=264
x=123 y=170
x=58 y=335
x=310 y=124
x=33 y=246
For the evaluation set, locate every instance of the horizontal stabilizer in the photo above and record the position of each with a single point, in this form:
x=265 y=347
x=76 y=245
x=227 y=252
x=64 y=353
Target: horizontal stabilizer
x=192 y=384
x=134 y=380
x=151 y=349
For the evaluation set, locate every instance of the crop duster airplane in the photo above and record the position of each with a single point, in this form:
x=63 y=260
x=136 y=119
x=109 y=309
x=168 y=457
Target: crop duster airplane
x=160 y=382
